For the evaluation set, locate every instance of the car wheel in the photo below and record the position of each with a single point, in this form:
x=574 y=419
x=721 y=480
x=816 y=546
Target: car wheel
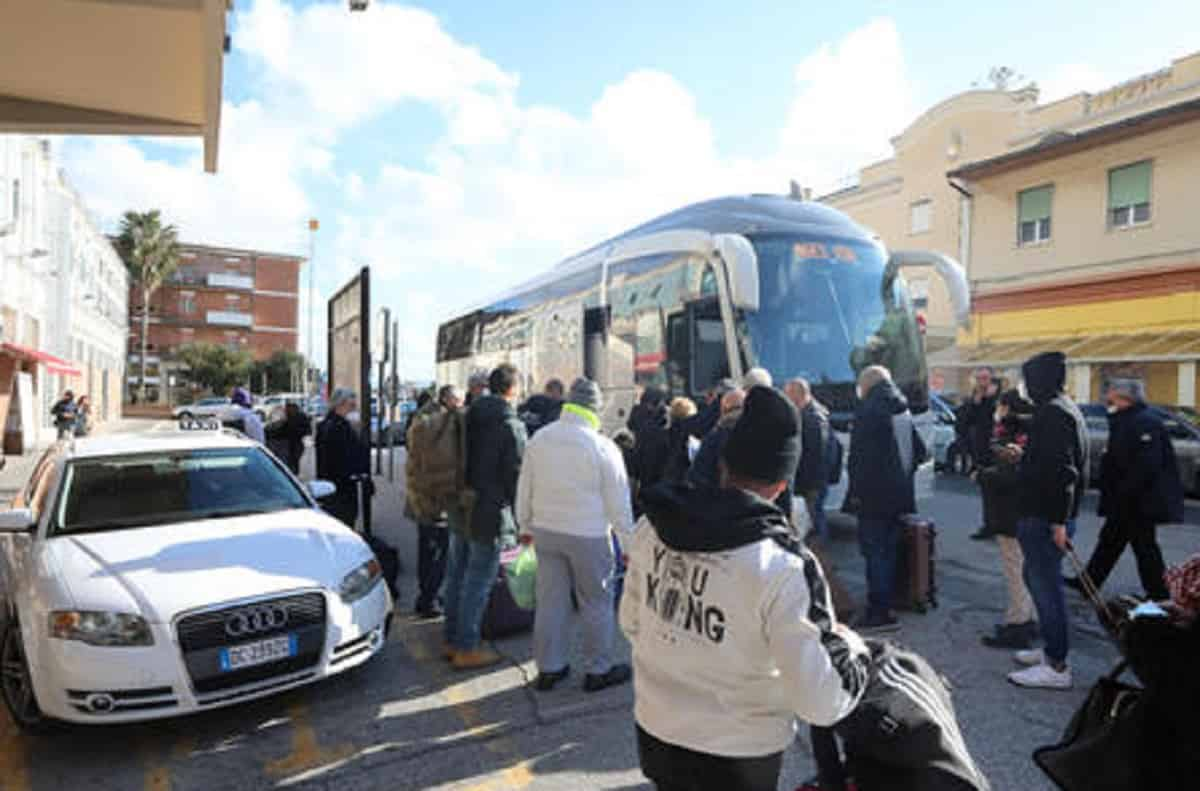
x=185 y=415
x=16 y=684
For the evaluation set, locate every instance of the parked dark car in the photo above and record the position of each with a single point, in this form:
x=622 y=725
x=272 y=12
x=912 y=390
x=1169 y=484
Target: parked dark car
x=1185 y=438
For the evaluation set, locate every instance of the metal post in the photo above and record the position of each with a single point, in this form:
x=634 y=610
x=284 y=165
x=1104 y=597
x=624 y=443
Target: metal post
x=313 y=225
x=395 y=396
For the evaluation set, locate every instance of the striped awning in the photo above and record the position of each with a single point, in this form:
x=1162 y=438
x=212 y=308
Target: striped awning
x=1179 y=345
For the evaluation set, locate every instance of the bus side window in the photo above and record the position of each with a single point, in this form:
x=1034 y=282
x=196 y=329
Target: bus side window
x=709 y=361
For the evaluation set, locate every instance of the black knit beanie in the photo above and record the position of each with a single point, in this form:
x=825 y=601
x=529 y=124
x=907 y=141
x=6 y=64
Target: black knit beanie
x=765 y=442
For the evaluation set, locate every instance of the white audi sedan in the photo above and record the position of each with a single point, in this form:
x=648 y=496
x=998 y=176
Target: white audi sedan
x=151 y=575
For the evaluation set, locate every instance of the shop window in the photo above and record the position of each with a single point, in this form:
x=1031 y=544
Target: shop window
x=1033 y=215
x=1129 y=195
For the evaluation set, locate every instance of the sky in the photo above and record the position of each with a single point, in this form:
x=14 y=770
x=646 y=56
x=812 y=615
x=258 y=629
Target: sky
x=459 y=147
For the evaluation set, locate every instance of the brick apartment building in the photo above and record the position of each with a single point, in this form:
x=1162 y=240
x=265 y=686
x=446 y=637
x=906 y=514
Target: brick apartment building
x=243 y=299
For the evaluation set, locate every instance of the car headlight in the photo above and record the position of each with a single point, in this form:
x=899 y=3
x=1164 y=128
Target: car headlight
x=358 y=583
x=101 y=628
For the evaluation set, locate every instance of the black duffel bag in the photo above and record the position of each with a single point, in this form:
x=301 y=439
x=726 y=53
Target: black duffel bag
x=1099 y=748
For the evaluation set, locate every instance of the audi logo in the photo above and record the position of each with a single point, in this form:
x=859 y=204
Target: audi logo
x=252 y=620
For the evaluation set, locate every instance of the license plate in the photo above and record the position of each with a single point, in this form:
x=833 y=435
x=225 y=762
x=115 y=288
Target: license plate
x=236 y=657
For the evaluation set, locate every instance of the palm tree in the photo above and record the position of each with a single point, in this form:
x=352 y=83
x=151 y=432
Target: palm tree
x=151 y=253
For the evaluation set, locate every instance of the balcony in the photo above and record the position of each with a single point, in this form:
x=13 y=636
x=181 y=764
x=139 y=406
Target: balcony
x=229 y=280
x=229 y=318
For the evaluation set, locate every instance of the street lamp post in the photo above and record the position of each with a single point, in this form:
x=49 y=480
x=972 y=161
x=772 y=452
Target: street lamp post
x=310 y=372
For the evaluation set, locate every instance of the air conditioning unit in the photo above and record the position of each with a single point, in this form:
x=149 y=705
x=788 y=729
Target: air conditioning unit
x=359 y=5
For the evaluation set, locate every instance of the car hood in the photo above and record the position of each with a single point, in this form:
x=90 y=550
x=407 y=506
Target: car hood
x=163 y=571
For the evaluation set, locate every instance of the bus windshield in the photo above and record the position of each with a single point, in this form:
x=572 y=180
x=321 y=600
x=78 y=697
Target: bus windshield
x=825 y=313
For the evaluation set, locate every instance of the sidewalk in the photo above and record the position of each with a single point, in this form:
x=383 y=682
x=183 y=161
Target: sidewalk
x=17 y=469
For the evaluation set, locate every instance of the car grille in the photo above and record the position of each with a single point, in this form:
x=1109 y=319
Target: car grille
x=203 y=636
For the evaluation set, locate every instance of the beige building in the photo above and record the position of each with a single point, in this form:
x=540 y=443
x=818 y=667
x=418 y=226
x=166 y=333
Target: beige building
x=1073 y=220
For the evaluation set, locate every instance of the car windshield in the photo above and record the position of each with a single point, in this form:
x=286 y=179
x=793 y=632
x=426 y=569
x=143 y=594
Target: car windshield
x=826 y=313
x=118 y=492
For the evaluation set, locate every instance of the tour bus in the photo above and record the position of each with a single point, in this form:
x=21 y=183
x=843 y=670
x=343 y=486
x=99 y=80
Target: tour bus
x=709 y=291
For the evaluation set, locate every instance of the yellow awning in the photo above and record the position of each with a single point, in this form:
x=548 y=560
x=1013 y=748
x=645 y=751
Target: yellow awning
x=1135 y=347
x=125 y=67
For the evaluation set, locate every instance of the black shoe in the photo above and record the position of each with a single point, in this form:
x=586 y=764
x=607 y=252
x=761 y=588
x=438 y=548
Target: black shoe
x=548 y=681
x=616 y=675
x=877 y=623
x=1013 y=637
x=427 y=611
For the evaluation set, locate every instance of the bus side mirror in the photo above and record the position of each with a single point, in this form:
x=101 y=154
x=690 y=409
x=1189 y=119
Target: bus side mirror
x=742 y=264
x=949 y=270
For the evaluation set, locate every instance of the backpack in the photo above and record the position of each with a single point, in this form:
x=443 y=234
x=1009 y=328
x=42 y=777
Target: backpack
x=437 y=460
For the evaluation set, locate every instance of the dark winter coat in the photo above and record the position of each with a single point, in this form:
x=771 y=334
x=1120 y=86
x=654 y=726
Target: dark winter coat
x=706 y=467
x=495 y=445
x=880 y=487
x=291 y=432
x=703 y=422
x=650 y=425
x=813 y=471
x=64 y=412
x=1001 y=482
x=1054 y=467
x=539 y=411
x=980 y=420
x=341 y=456
x=678 y=463
x=1139 y=477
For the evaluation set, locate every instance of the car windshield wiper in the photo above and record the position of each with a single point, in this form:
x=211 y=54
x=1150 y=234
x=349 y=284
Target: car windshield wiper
x=113 y=524
x=226 y=513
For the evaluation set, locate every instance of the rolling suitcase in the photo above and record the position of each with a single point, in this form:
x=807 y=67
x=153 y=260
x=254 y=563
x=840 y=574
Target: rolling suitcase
x=503 y=617
x=916 y=583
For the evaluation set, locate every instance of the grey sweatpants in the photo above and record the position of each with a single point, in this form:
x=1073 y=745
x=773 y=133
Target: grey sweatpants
x=567 y=564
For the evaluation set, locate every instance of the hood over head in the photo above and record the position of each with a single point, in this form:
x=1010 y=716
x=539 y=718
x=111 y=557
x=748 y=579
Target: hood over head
x=490 y=409
x=691 y=519
x=1045 y=376
x=885 y=396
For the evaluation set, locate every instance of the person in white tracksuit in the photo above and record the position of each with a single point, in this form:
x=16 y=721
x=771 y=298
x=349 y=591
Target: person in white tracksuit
x=572 y=492
x=734 y=635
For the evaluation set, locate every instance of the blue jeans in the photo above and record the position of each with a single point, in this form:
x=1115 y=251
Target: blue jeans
x=1044 y=579
x=879 y=540
x=814 y=500
x=471 y=569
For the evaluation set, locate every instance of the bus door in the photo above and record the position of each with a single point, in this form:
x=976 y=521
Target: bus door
x=696 y=355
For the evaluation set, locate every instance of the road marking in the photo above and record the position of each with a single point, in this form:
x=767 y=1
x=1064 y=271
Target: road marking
x=458 y=696
x=307 y=753
x=14 y=756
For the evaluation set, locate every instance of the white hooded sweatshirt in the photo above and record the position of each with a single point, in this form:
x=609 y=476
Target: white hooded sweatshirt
x=732 y=627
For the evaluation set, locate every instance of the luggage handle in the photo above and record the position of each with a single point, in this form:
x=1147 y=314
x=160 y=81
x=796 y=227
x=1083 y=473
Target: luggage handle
x=1085 y=580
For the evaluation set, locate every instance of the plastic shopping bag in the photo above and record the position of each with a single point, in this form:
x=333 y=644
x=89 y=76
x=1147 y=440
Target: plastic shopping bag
x=521 y=575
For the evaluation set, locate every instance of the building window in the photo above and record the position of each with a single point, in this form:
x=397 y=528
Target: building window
x=187 y=304
x=918 y=290
x=1129 y=195
x=920 y=216
x=1033 y=215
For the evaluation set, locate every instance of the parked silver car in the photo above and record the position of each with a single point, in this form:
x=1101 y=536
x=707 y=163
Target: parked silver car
x=1185 y=438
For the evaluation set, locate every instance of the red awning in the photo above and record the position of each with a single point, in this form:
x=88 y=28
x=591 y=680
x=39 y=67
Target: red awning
x=55 y=365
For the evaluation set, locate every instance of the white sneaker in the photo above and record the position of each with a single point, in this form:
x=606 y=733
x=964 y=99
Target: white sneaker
x=1042 y=677
x=1030 y=658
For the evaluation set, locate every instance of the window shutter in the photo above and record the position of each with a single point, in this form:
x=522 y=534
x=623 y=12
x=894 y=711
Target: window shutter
x=1129 y=186
x=1034 y=204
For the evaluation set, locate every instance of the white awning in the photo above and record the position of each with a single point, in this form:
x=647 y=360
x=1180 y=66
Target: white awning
x=122 y=67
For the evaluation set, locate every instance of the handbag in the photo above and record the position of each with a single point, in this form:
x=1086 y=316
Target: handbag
x=1099 y=748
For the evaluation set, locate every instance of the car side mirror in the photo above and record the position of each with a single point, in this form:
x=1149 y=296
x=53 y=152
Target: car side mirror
x=17 y=520
x=321 y=489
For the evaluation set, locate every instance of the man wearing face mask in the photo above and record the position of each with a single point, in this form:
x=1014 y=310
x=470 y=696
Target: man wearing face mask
x=342 y=457
x=1139 y=489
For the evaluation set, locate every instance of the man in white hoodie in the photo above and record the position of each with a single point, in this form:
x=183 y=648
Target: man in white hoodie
x=733 y=632
x=572 y=492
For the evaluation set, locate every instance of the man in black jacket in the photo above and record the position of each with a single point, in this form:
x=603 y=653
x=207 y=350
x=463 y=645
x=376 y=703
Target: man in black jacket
x=1139 y=488
x=979 y=411
x=544 y=408
x=885 y=451
x=342 y=457
x=1053 y=476
x=495 y=444
x=812 y=475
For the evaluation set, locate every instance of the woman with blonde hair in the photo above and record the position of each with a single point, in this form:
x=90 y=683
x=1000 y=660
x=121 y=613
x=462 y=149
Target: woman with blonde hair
x=679 y=459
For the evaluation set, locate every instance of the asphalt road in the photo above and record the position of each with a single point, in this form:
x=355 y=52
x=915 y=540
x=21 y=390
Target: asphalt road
x=406 y=721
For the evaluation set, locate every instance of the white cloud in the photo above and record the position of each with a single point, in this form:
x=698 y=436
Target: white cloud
x=1070 y=79
x=509 y=189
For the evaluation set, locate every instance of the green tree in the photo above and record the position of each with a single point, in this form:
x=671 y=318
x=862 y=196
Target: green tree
x=151 y=253
x=216 y=367
x=283 y=370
